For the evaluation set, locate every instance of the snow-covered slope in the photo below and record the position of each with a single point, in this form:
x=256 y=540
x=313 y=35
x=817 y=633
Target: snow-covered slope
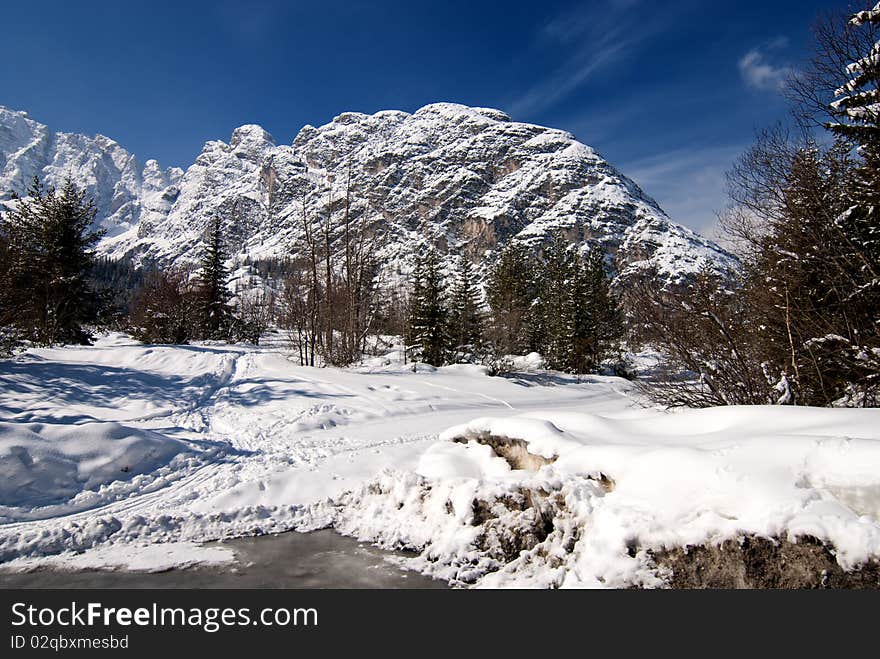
x=460 y=177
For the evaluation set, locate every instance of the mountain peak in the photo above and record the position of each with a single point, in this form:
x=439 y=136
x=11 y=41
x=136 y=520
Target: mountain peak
x=250 y=135
x=459 y=111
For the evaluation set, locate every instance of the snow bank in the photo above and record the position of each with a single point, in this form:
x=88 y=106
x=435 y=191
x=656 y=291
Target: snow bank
x=613 y=491
x=134 y=557
x=44 y=465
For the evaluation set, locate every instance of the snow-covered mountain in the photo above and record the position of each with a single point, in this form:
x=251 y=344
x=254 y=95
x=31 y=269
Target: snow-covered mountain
x=462 y=178
x=125 y=191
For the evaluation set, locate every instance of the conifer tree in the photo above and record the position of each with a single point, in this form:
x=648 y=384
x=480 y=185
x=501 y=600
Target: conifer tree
x=213 y=293
x=596 y=326
x=465 y=315
x=856 y=108
x=414 y=312
x=856 y=117
x=49 y=243
x=510 y=293
x=427 y=327
x=556 y=307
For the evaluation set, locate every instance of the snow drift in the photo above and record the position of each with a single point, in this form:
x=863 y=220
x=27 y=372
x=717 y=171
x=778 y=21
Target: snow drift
x=44 y=464
x=603 y=497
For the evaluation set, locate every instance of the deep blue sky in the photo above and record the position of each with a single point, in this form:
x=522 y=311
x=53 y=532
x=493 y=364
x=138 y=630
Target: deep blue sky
x=669 y=91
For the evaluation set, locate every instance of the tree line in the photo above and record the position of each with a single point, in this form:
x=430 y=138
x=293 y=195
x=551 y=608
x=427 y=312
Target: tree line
x=799 y=321
x=556 y=302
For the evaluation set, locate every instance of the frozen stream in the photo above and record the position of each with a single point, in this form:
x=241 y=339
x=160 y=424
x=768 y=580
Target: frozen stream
x=322 y=559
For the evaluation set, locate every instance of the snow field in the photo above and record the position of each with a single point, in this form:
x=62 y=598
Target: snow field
x=121 y=454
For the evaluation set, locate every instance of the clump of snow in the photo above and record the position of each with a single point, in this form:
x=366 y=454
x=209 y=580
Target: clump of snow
x=619 y=489
x=529 y=363
x=43 y=464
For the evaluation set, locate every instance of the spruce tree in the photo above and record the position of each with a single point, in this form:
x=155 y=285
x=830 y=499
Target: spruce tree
x=596 y=326
x=856 y=108
x=465 y=316
x=510 y=293
x=414 y=312
x=427 y=325
x=555 y=309
x=49 y=244
x=213 y=293
x=856 y=114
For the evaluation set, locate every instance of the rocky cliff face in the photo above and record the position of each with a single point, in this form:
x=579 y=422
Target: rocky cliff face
x=465 y=179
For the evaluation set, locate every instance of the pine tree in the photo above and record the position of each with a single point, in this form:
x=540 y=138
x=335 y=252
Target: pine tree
x=465 y=315
x=856 y=109
x=596 y=326
x=556 y=305
x=213 y=293
x=427 y=334
x=510 y=293
x=856 y=113
x=49 y=241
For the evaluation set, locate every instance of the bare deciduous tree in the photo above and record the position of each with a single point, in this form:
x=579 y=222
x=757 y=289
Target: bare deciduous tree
x=329 y=301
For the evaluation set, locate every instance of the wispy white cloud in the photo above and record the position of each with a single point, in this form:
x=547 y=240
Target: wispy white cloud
x=761 y=69
x=548 y=92
x=689 y=184
x=593 y=38
x=584 y=21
